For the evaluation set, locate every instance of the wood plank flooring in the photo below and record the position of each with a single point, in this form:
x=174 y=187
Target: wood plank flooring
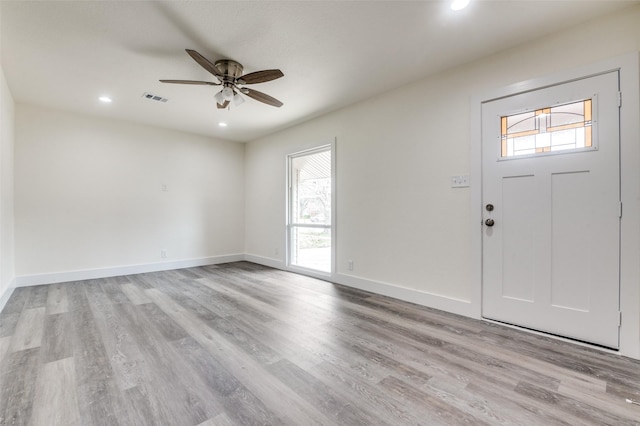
x=242 y=344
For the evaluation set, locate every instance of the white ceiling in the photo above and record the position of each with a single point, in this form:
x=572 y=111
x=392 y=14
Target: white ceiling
x=333 y=53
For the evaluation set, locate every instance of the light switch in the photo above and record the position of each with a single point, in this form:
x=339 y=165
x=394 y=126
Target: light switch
x=460 y=181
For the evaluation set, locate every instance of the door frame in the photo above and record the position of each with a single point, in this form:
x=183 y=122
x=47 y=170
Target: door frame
x=298 y=269
x=629 y=68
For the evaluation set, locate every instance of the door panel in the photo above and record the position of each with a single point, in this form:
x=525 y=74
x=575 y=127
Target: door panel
x=571 y=238
x=551 y=258
x=518 y=237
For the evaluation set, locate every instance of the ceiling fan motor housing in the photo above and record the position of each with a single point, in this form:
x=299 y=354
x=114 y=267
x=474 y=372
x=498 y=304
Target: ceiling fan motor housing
x=228 y=68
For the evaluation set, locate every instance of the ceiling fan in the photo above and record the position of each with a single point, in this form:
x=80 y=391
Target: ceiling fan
x=229 y=75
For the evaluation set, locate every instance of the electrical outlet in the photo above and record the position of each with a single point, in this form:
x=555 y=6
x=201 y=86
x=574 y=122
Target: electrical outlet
x=276 y=251
x=163 y=253
x=350 y=263
x=164 y=187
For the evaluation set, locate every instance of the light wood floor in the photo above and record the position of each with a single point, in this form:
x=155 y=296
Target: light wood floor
x=244 y=344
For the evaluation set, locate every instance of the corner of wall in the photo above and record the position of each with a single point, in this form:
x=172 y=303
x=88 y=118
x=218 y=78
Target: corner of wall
x=6 y=294
x=266 y=261
x=7 y=142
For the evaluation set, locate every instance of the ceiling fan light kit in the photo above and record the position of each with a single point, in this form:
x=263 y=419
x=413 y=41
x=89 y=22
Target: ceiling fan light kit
x=229 y=75
x=237 y=99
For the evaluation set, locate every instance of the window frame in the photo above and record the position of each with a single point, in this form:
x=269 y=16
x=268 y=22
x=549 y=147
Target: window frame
x=331 y=146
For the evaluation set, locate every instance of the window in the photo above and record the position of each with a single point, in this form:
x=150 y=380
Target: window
x=310 y=209
x=562 y=127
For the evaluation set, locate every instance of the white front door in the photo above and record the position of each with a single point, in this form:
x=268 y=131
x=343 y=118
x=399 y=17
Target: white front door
x=551 y=207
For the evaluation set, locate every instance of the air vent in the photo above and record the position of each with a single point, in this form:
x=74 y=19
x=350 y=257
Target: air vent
x=153 y=97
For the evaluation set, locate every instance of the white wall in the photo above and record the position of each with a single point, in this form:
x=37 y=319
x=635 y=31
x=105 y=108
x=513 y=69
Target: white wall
x=88 y=196
x=6 y=191
x=407 y=231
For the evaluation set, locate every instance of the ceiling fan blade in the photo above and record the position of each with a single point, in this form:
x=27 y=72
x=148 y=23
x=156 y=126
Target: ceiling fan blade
x=262 y=97
x=224 y=105
x=190 y=82
x=260 y=76
x=204 y=62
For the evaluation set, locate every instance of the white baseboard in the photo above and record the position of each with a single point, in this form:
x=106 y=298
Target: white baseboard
x=448 y=304
x=430 y=300
x=266 y=261
x=4 y=297
x=87 y=274
x=436 y=301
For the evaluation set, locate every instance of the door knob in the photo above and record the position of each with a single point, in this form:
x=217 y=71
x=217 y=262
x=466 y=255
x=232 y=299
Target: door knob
x=489 y=207
x=489 y=222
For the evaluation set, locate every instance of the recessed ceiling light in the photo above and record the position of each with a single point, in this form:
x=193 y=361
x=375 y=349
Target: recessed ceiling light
x=459 y=4
x=105 y=99
x=221 y=124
